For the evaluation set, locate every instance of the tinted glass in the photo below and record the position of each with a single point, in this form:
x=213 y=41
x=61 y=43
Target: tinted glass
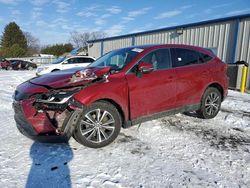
x=72 y=60
x=89 y=60
x=205 y=57
x=159 y=58
x=185 y=57
x=85 y=60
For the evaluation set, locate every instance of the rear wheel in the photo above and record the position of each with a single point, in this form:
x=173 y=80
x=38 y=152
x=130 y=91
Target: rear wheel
x=210 y=103
x=99 y=126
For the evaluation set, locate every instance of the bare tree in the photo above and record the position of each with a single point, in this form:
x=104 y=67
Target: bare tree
x=79 y=40
x=33 y=43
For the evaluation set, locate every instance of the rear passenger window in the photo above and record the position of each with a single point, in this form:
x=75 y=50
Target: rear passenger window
x=205 y=57
x=159 y=58
x=86 y=60
x=183 y=57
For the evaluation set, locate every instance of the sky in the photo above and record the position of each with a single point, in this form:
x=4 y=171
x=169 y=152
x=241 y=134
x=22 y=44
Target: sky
x=52 y=21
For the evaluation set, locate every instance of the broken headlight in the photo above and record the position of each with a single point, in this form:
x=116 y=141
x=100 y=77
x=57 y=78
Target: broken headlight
x=59 y=97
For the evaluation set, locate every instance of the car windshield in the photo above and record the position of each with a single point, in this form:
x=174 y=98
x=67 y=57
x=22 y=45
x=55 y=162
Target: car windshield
x=59 y=60
x=117 y=59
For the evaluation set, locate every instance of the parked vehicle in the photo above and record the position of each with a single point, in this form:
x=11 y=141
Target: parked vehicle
x=17 y=64
x=4 y=64
x=65 y=63
x=122 y=88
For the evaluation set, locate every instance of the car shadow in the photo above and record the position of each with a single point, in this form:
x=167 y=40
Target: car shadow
x=192 y=114
x=50 y=165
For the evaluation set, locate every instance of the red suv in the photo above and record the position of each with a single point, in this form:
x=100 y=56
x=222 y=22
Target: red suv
x=120 y=89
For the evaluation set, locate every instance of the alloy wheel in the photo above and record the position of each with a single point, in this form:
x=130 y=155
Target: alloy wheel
x=97 y=125
x=212 y=103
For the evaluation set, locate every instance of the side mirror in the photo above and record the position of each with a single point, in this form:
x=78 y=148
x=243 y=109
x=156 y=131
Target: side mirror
x=144 y=67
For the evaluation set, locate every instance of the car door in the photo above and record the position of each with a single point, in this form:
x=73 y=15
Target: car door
x=191 y=76
x=155 y=91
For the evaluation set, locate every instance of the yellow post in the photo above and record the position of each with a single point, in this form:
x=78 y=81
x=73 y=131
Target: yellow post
x=243 y=79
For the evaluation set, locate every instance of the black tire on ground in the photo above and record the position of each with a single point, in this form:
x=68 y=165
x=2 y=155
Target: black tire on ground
x=210 y=103
x=99 y=125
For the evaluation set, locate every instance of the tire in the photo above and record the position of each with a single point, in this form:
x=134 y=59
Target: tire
x=98 y=126
x=210 y=103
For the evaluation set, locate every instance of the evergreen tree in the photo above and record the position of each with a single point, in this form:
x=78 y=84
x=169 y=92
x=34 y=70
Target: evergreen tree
x=13 y=35
x=57 y=49
x=13 y=51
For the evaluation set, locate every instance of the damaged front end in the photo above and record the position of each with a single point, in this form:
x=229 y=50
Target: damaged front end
x=48 y=112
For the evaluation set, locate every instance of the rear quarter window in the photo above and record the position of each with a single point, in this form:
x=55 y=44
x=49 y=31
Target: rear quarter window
x=205 y=57
x=184 y=57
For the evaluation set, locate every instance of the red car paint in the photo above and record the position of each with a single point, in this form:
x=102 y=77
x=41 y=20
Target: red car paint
x=40 y=120
x=4 y=64
x=136 y=97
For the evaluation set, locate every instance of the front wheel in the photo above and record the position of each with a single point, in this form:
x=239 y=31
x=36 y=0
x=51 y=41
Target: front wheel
x=99 y=125
x=210 y=103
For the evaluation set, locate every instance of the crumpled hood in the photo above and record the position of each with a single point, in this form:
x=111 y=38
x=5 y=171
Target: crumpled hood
x=63 y=79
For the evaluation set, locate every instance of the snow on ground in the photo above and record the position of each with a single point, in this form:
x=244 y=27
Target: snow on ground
x=175 y=151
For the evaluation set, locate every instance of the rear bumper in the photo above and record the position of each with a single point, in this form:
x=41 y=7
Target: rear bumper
x=28 y=130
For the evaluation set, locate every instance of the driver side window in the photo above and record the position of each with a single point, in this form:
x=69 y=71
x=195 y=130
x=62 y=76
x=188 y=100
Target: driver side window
x=117 y=61
x=71 y=61
x=160 y=59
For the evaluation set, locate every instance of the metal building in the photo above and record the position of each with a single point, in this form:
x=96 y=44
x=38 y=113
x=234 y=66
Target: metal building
x=230 y=37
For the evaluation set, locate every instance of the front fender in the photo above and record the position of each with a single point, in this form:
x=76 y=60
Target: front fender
x=115 y=90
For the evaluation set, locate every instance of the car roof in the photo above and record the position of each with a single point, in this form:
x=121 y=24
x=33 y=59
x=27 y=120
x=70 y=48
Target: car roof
x=155 y=46
x=80 y=56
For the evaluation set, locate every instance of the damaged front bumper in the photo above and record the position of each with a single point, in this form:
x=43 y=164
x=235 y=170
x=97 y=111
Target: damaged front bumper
x=42 y=119
x=48 y=134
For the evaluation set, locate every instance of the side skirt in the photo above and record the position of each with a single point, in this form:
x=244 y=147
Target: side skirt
x=161 y=114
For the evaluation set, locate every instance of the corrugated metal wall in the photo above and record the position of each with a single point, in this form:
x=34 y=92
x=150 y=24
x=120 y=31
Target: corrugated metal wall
x=230 y=38
x=94 y=49
x=208 y=36
x=243 y=46
x=115 y=44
